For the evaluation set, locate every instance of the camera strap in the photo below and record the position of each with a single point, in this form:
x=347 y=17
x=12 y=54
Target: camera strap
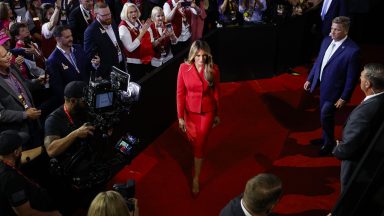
x=68 y=115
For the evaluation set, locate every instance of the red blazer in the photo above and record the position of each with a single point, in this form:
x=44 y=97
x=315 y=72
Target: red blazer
x=193 y=93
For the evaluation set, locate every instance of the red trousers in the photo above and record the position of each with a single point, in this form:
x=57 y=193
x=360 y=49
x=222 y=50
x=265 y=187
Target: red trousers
x=198 y=127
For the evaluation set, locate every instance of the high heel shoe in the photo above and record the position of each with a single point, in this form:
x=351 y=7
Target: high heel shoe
x=195 y=187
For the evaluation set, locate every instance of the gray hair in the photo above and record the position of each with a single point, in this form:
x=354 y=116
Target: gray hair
x=374 y=72
x=343 y=21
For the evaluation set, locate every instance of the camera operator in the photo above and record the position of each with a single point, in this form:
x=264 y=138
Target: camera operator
x=67 y=124
x=19 y=194
x=65 y=133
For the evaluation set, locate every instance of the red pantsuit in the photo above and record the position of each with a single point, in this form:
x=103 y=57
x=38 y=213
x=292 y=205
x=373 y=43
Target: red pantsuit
x=197 y=104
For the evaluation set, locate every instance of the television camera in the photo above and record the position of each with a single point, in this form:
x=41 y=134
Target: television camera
x=107 y=99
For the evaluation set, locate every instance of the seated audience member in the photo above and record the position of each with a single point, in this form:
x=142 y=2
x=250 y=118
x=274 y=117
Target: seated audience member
x=20 y=195
x=32 y=19
x=111 y=203
x=362 y=123
x=101 y=38
x=17 y=110
x=252 y=10
x=67 y=63
x=161 y=38
x=50 y=19
x=79 y=19
x=179 y=14
x=22 y=36
x=260 y=196
x=6 y=15
x=136 y=40
x=229 y=12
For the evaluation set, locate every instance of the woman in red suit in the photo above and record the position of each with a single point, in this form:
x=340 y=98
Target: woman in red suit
x=197 y=101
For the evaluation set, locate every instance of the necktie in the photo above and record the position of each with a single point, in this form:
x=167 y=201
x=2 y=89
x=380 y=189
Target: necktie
x=325 y=8
x=73 y=61
x=326 y=58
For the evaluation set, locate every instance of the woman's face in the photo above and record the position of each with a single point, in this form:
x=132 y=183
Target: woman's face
x=132 y=14
x=200 y=58
x=49 y=13
x=37 y=3
x=159 y=19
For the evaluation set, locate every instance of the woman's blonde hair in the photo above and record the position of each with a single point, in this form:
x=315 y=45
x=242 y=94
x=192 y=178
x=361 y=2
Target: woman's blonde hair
x=108 y=203
x=208 y=64
x=156 y=10
x=124 y=11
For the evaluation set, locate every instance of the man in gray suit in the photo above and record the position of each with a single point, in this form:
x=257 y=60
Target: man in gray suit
x=17 y=111
x=362 y=123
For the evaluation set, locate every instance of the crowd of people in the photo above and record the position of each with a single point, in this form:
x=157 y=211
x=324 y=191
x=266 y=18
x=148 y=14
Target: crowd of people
x=49 y=51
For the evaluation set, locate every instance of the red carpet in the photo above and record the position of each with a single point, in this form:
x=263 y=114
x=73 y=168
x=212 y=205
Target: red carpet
x=266 y=126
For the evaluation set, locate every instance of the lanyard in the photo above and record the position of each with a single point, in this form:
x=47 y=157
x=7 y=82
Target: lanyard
x=68 y=115
x=20 y=173
x=21 y=94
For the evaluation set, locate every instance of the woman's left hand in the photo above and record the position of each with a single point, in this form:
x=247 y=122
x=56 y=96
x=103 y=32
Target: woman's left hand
x=216 y=121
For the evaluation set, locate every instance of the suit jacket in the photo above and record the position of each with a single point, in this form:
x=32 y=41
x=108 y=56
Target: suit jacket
x=233 y=208
x=193 y=92
x=61 y=71
x=78 y=24
x=337 y=8
x=340 y=74
x=11 y=108
x=359 y=129
x=97 y=41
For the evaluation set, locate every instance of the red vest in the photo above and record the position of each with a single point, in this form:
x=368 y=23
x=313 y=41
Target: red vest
x=144 y=51
x=166 y=42
x=177 y=21
x=47 y=46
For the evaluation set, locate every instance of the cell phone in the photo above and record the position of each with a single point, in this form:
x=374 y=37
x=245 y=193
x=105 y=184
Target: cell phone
x=18 y=19
x=186 y=4
x=168 y=26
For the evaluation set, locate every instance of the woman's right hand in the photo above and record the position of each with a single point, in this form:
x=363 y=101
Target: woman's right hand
x=182 y=125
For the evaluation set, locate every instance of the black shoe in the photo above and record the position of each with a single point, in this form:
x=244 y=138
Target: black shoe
x=326 y=150
x=316 y=142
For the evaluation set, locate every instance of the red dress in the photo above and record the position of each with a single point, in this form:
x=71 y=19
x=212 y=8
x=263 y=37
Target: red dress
x=197 y=104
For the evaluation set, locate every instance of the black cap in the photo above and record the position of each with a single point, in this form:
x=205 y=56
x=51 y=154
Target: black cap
x=10 y=140
x=74 y=89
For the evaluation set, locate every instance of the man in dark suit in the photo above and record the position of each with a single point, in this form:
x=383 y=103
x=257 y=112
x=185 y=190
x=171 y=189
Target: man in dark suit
x=79 y=19
x=362 y=123
x=330 y=10
x=17 y=110
x=261 y=194
x=336 y=71
x=66 y=63
x=102 y=38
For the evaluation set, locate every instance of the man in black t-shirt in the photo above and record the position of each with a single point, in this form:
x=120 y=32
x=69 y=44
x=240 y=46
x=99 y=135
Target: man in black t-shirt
x=66 y=128
x=19 y=194
x=66 y=133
